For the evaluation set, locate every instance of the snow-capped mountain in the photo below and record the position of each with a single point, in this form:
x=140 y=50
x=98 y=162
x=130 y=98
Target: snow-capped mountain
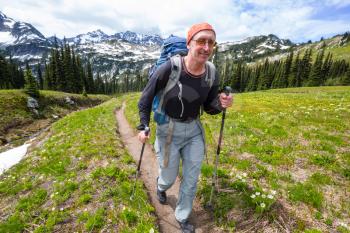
x=12 y=32
x=114 y=54
x=109 y=54
x=90 y=37
x=139 y=38
x=21 y=40
x=253 y=47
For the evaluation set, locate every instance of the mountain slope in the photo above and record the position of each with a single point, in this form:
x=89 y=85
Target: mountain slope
x=110 y=55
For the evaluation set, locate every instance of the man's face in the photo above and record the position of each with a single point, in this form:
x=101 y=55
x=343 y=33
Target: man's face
x=202 y=45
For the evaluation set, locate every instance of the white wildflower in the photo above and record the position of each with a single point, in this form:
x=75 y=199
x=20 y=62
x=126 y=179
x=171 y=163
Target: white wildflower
x=53 y=209
x=52 y=195
x=263 y=196
x=257 y=193
x=239 y=176
x=85 y=209
x=252 y=196
x=269 y=196
x=344 y=225
x=243 y=180
x=273 y=192
x=61 y=209
x=244 y=174
x=262 y=205
x=151 y=230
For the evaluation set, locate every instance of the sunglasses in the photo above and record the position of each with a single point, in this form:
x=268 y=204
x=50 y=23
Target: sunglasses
x=203 y=42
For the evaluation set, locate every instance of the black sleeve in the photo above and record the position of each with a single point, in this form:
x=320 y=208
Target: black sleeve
x=156 y=83
x=212 y=105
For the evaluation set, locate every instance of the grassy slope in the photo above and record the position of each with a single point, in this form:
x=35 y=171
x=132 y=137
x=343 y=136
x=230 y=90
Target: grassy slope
x=79 y=180
x=339 y=52
x=14 y=111
x=294 y=141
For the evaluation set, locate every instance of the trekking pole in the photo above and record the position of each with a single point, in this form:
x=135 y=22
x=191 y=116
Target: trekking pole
x=147 y=129
x=227 y=91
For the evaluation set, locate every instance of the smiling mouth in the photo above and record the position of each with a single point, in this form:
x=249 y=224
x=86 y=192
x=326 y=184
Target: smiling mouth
x=204 y=54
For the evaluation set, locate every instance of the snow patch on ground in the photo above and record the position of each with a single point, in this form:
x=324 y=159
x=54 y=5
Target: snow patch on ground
x=12 y=157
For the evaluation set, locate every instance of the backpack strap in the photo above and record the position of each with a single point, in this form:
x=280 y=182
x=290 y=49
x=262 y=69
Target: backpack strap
x=210 y=77
x=173 y=78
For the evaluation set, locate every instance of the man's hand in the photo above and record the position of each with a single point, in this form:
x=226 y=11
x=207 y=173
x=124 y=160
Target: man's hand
x=142 y=136
x=226 y=100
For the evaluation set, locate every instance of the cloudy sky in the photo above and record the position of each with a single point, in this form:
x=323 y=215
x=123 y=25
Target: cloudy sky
x=298 y=20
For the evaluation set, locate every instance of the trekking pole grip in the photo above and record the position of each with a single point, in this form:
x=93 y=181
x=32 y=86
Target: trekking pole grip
x=227 y=90
x=147 y=130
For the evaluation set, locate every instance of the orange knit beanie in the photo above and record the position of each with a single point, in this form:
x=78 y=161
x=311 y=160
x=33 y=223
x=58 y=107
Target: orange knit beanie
x=197 y=28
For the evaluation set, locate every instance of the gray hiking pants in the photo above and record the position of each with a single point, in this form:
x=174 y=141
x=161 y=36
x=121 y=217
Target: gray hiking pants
x=187 y=144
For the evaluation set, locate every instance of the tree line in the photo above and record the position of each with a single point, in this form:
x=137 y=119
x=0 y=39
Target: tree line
x=65 y=71
x=11 y=75
x=296 y=70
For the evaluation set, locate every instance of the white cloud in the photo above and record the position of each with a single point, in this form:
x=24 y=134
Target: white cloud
x=232 y=19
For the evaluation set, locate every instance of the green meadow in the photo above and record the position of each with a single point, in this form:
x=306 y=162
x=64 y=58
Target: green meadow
x=283 y=147
x=79 y=180
x=285 y=152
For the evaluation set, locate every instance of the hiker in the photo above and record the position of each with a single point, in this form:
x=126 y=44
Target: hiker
x=182 y=137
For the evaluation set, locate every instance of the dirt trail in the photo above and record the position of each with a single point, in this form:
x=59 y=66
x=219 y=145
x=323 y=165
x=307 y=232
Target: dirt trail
x=149 y=172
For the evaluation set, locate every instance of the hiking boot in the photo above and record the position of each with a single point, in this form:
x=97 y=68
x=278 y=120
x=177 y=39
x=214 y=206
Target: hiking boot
x=186 y=227
x=161 y=195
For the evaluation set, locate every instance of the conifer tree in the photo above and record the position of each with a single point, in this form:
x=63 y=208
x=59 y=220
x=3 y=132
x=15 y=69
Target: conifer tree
x=265 y=79
x=90 y=79
x=31 y=87
x=252 y=84
x=77 y=82
x=47 y=78
x=62 y=72
x=286 y=70
x=40 y=76
x=305 y=66
x=294 y=79
x=237 y=76
x=326 y=67
x=316 y=71
x=69 y=71
x=5 y=78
